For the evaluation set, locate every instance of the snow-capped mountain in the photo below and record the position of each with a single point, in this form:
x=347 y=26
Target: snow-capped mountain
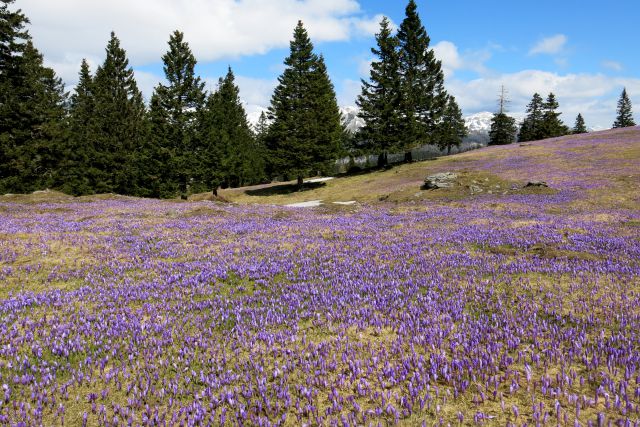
x=479 y=122
x=350 y=118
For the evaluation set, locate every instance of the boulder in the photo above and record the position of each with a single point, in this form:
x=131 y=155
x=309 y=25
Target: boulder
x=440 y=180
x=536 y=184
x=475 y=189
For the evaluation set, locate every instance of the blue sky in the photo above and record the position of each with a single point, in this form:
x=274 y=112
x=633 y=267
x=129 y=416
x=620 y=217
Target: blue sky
x=583 y=51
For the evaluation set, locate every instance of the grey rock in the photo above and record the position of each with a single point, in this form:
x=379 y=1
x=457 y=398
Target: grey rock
x=440 y=180
x=475 y=189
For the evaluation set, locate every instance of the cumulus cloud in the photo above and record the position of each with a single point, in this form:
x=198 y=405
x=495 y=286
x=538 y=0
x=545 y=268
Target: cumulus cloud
x=593 y=95
x=67 y=30
x=371 y=26
x=447 y=52
x=453 y=60
x=549 y=45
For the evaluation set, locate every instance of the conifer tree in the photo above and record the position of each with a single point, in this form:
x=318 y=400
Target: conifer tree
x=262 y=127
x=174 y=113
x=305 y=131
x=624 y=116
x=423 y=94
x=119 y=126
x=453 y=128
x=13 y=39
x=531 y=128
x=32 y=110
x=503 y=127
x=380 y=98
x=580 y=126
x=552 y=126
x=78 y=174
x=234 y=158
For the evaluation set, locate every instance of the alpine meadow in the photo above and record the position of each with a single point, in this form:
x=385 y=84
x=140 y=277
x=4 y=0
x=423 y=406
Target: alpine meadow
x=272 y=246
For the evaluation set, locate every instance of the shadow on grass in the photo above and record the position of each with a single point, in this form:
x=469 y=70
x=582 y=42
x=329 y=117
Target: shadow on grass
x=284 y=189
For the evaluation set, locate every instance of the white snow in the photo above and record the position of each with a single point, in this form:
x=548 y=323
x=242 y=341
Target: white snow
x=350 y=202
x=327 y=178
x=309 y=204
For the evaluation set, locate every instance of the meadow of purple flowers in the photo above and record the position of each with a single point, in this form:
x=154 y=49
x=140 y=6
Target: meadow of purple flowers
x=493 y=309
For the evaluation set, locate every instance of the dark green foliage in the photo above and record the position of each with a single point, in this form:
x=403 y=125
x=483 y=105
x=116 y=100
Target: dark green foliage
x=232 y=157
x=79 y=174
x=174 y=113
x=453 y=128
x=542 y=120
x=423 y=96
x=305 y=132
x=579 y=127
x=381 y=96
x=262 y=127
x=32 y=110
x=552 y=126
x=118 y=127
x=624 y=116
x=503 y=129
x=531 y=128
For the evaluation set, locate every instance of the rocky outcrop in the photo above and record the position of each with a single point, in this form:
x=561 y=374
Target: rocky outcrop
x=440 y=180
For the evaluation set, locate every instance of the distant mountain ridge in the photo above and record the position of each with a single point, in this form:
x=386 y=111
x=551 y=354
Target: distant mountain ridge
x=478 y=124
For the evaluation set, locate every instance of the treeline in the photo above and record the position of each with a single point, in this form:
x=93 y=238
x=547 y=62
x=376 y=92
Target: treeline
x=103 y=138
x=542 y=121
x=404 y=103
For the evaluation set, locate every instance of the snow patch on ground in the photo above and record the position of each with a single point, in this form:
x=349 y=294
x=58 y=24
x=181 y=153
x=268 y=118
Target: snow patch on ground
x=312 y=180
x=350 y=202
x=309 y=204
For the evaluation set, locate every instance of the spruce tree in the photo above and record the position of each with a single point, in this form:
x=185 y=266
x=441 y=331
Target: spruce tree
x=32 y=110
x=624 y=116
x=234 y=158
x=79 y=175
x=174 y=113
x=552 y=126
x=580 y=126
x=261 y=128
x=380 y=98
x=422 y=79
x=531 y=128
x=305 y=131
x=119 y=126
x=503 y=129
x=453 y=128
x=13 y=39
x=43 y=112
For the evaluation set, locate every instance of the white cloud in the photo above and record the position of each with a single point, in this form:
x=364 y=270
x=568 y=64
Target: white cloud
x=453 y=60
x=447 y=52
x=593 y=95
x=549 y=45
x=371 y=26
x=66 y=30
x=613 y=65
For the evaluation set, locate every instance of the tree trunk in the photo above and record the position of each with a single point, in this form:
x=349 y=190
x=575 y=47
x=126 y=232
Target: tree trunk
x=214 y=192
x=383 y=160
x=448 y=150
x=408 y=157
x=300 y=182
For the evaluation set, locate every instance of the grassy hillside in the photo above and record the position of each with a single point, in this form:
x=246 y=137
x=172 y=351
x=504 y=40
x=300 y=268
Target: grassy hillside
x=509 y=306
x=579 y=164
